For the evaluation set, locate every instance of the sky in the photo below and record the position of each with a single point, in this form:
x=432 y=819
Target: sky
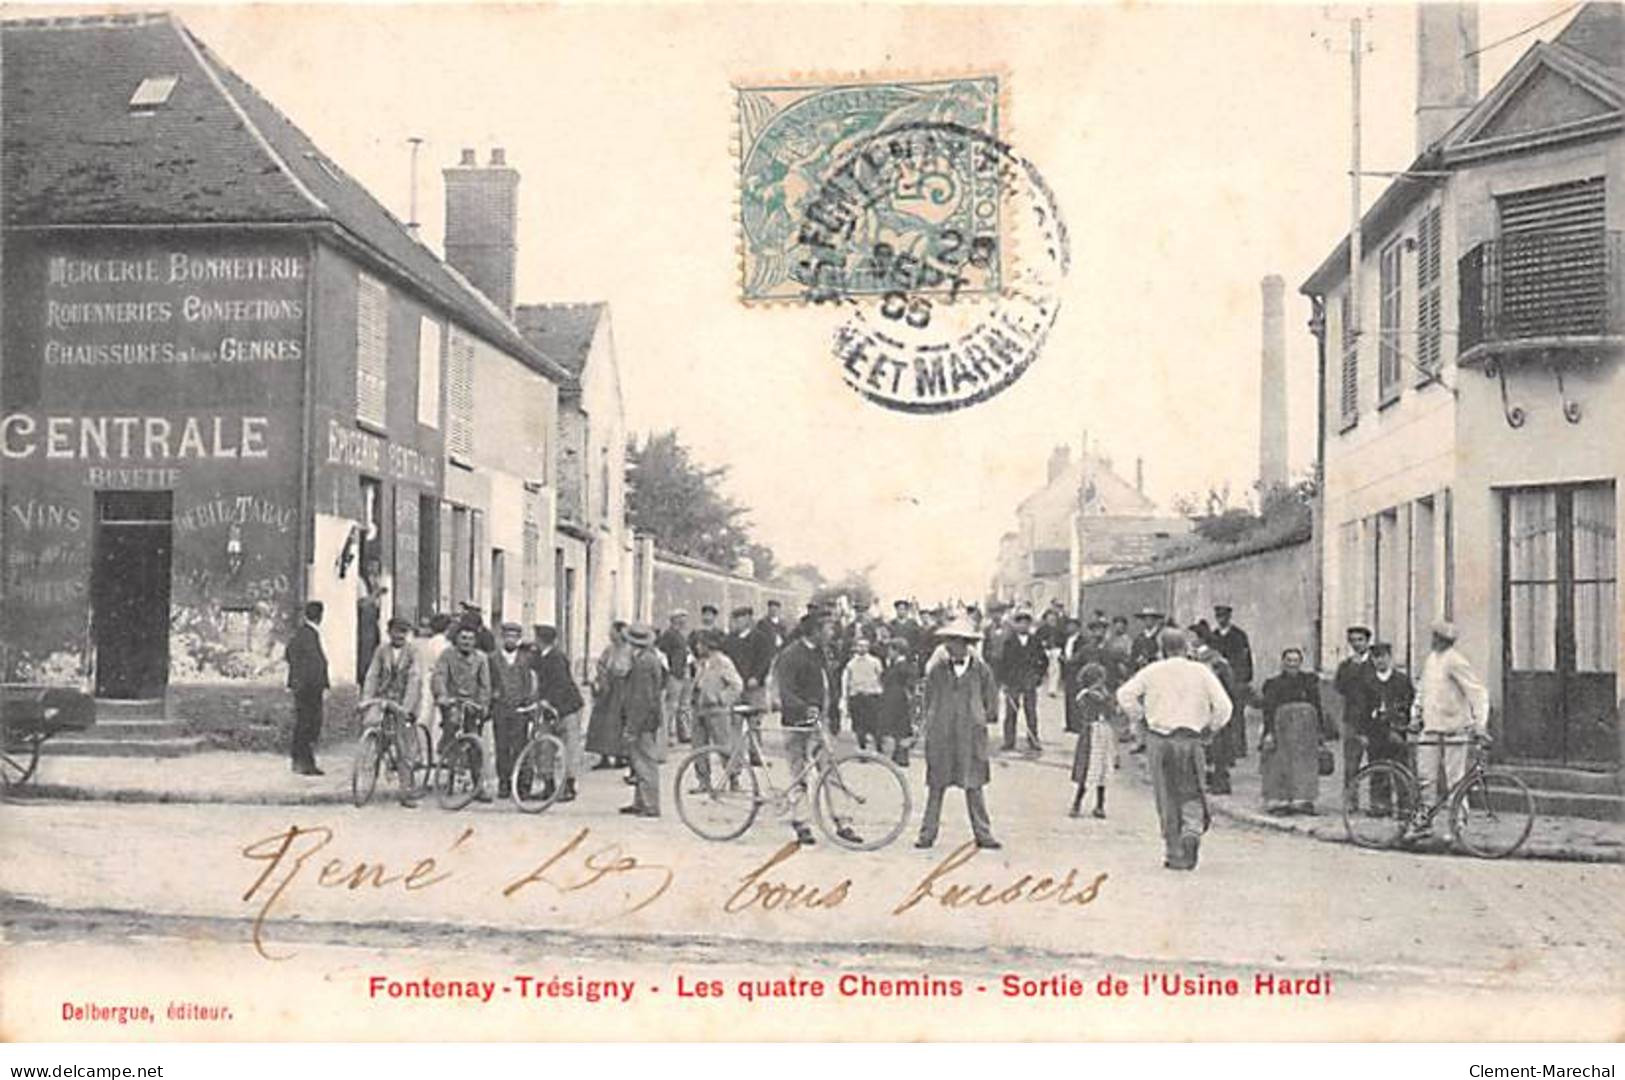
x=1192 y=150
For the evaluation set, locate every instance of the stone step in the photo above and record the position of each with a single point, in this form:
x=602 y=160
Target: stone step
x=80 y=746
x=1596 y=807
x=1579 y=781
x=115 y=728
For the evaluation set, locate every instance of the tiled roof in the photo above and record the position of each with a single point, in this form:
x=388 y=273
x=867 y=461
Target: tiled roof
x=563 y=331
x=216 y=152
x=1598 y=31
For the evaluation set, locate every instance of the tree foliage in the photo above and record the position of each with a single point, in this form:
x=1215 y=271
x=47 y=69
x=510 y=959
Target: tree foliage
x=680 y=503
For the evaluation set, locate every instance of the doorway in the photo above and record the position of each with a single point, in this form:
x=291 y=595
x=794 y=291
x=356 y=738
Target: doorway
x=129 y=592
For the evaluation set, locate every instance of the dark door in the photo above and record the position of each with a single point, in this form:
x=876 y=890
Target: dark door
x=1560 y=601
x=129 y=591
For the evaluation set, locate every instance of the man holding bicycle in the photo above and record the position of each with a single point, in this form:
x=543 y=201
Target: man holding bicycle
x=1451 y=706
x=803 y=683
x=395 y=681
x=462 y=676
x=513 y=690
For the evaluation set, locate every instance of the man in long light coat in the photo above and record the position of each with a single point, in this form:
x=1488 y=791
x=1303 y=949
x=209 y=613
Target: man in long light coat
x=961 y=699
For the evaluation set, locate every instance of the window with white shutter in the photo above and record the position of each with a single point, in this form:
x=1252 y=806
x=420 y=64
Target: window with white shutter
x=460 y=395
x=1349 y=389
x=429 y=373
x=371 y=351
x=1390 y=354
x=1428 y=330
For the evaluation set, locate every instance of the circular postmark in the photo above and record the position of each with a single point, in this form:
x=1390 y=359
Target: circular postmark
x=945 y=251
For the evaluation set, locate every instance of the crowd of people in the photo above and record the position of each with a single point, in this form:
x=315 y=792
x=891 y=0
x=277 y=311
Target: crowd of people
x=942 y=676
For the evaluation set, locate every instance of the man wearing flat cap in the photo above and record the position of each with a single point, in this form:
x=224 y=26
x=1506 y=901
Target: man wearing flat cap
x=961 y=699
x=395 y=675
x=513 y=693
x=804 y=694
x=1230 y=641
x=1352 y=683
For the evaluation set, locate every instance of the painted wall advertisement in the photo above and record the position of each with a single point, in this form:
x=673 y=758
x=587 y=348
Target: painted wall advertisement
x=154 y=378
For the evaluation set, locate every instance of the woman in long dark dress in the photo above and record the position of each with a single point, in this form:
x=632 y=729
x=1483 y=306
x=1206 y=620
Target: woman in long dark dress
x=608 y=694
x=897 y=682
x=1291 y=746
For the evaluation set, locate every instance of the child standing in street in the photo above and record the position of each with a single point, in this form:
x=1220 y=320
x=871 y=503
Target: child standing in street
x=1097 y=739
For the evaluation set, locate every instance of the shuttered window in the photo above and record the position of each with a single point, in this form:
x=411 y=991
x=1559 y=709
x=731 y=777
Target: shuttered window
x=1553 y=255
x=460 y=395
x=371 y=351
x=1349 y=389
x=1390 y=287
x=1429 y=332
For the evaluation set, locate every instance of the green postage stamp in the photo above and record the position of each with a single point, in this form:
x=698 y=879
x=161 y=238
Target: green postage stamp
x=826 y=210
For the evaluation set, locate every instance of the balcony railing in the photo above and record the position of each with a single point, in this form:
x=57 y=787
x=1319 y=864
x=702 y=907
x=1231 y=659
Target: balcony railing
x=1543 y=290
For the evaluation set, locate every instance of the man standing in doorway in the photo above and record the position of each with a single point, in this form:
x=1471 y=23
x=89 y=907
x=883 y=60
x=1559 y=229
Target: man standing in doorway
x=1181 y=702
x=961 y=699
x=556 y=686
x=307 y=678
x=1022 y=666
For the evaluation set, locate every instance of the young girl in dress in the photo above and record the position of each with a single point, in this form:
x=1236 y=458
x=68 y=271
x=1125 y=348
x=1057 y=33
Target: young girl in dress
x=1097 y=739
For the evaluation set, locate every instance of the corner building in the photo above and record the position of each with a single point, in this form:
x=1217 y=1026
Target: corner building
x=231 y=381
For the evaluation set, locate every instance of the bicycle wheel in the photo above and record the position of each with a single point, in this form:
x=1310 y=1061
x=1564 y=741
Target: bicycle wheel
x=19 y=757
x=460 y=772
x=1378 y=804
x=863 y=796
x=538 y=774
x=714 y=802
x=369 y=753
x=1492 y=814
x=418 y=773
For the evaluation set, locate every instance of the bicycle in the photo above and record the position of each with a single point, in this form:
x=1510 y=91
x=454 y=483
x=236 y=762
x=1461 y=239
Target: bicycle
x=542 y=759
x=461 y=755
x=396 y=740
x=1490 y=813
x=861 y=801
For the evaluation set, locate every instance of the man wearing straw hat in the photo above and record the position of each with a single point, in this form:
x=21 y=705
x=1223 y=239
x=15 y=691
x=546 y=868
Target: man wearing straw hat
x=961 y=699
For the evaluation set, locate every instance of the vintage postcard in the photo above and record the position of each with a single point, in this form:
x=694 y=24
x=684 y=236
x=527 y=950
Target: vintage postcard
x=884 y=522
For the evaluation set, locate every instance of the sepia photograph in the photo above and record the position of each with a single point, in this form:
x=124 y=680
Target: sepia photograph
x=812 y=522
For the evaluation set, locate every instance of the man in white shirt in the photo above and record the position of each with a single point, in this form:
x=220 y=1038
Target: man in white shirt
x=860 y=693
x=1451 y=704
x=1182 y=703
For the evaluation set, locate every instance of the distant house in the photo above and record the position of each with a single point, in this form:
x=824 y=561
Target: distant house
x=592 y=546
x=1084 y=521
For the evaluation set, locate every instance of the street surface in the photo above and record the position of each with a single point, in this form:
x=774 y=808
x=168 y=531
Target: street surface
x=98 y=893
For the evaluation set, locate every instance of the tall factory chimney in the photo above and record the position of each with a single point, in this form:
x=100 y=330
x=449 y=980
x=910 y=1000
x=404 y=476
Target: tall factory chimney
x=1446 y=67
x=482 y=224
x=1272 y=468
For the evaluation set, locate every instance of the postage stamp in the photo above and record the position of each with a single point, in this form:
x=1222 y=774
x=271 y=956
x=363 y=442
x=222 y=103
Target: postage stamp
x=800 y=145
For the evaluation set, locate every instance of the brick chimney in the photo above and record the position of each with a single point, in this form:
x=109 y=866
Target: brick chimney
x=1272 y=470
x=1059 y=459
x=482 y=222
x=1446 y=67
